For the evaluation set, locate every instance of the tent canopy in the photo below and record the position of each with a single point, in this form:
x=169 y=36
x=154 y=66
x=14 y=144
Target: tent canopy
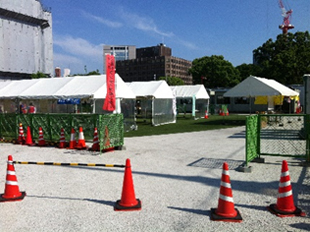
x=188 y=91
x=62 y=88
x=258 y=86
x=156 y=89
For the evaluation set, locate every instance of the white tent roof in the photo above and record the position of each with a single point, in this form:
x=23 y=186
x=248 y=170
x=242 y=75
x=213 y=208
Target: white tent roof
x=198 y=91
x=156 y=89
x=122 y=90
x=258 y=86
x=61 y=88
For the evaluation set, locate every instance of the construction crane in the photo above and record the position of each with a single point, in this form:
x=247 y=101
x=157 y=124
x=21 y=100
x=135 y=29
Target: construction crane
x=286 y=25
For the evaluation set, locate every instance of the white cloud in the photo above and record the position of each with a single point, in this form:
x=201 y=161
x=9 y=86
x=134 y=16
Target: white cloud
x=143 y=23
x=78 y=46
x=187 y=44
x=61 y=59
x=101 y=20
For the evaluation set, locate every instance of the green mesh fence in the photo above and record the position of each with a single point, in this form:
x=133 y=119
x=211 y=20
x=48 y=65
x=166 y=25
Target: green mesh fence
x=278 y=135
x=251 y=138
x=52 y=123
x=283 y=135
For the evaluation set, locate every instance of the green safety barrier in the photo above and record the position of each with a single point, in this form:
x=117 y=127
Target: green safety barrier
x=108 y=125
x=278 y=135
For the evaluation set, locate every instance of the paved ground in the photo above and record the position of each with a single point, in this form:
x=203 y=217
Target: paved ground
x=177 y=178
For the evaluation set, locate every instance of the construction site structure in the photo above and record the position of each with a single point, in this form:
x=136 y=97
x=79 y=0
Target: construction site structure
x=26 y=42
x=286 y=25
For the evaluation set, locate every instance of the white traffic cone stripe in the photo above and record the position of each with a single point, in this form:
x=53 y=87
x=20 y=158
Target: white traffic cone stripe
x=285 y=174
x=81 y=136
x=10 y=162
x=284 y=184
x=225 y=198
x=11 y=173
x=225 y=184
x=9 y=182
x=286 y=194
x=72 y=137
x=225 y=172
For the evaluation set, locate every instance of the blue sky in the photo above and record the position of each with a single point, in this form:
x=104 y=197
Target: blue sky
x=191 y=28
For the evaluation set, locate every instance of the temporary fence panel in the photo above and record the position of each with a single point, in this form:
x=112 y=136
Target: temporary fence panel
x=201 y=107
x=283 y=135
x=127 y=109
x=163 y=112
x=251 y=138
x=52 y=123
x=278 y=135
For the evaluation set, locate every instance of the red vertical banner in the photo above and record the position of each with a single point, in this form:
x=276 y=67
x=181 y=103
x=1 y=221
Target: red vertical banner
x=109 y=102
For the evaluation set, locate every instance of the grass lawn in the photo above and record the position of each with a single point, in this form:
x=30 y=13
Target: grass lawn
x=187 y=124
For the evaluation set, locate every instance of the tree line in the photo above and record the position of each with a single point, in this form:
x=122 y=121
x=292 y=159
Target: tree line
x=285 y=60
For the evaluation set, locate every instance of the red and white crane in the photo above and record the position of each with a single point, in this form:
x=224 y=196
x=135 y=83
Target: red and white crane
x=286 y=25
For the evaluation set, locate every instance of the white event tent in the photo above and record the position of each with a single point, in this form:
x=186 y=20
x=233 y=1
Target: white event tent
x=192 y=98
x=265 y=91
x=157 y=101
x=85 y=88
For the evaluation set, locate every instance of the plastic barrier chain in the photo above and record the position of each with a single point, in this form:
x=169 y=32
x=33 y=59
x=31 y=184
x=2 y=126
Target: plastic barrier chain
x=71 y=164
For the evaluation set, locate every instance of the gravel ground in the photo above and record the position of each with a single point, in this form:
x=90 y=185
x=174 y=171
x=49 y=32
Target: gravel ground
x=177 y=178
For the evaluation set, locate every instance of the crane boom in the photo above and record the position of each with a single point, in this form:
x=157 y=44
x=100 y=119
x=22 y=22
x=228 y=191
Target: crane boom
x=286 y=25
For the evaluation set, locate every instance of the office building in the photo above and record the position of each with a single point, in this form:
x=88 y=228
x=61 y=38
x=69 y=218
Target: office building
x=152 y=63
x=26 y=42
x=120 y=52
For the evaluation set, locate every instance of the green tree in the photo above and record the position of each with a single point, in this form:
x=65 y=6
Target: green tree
x=93 y=73
x=287 y=59
x=213 y=71
x=247 y=70
x=39 y=75
x=172 y=80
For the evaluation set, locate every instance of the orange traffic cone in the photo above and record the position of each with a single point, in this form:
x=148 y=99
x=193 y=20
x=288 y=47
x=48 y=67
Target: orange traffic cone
x=285 y=203
x=128 y=201
x=62 y=140
x=106 y=141
x=41 y=141
x=29 y=141
x=226 y=210
x=72 y=142
x=227 y=112
x=95 y=146
x=206 y=115
x=11 y=192
x=81 y=142
x=21 y=136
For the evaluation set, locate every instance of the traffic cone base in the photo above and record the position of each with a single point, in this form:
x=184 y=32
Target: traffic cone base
x=216 y=217
x=108 y=149
x=274 y=209
x=119 y=207
x=19 y=198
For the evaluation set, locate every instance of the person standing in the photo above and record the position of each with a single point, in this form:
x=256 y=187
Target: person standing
x=31 y=109
x=22 y=109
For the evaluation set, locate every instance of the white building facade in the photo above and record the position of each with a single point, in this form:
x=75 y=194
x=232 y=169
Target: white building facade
x=26 y=42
